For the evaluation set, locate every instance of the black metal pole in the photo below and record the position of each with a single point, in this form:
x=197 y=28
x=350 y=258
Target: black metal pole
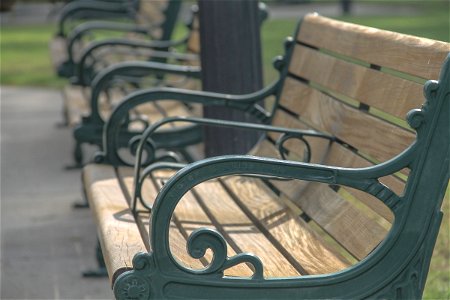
x=231 y=63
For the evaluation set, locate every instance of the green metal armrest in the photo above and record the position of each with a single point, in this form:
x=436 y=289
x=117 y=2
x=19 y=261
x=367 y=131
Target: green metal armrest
x=92 y=10
x=133 y=69
x=247 y=102
x=159 y=52
x=287 y=133
x=86 y=28
x=90 y=130
x=67 y=68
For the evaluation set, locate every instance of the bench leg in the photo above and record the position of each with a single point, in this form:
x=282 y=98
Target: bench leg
x=84 y=203
x=101 y=269
x=77 y=156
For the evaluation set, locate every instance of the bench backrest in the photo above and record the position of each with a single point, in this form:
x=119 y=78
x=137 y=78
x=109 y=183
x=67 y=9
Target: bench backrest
x=356 y=84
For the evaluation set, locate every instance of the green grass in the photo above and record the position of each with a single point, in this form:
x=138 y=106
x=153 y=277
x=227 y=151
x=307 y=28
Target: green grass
x=25 y=58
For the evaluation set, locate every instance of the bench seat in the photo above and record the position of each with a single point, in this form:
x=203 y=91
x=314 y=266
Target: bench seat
x=247 y=211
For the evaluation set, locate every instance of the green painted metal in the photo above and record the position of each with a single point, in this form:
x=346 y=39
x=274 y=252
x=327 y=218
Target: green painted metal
x=68 y=68
x=159 y=53
x=113 y=126
x=396 y=269
x=95 y=10
x=90 y=130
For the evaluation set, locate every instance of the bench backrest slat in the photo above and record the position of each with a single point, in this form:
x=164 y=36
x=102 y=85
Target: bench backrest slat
x=355 y=127
x=193 y=44
x=384 y=91
x=417 y=56
x=321 y=203
x=151 y=11
x=356 y=84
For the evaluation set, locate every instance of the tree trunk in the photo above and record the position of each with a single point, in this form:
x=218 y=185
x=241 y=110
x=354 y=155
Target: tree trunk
x=231 y=63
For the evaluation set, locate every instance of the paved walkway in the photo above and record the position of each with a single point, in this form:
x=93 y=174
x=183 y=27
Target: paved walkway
x=45 y=243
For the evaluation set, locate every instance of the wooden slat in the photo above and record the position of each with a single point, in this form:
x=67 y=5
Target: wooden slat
x=364 y=132
x=386 y=92
x=241 y=231
x=340 y=156
x=119 y=236
x=334 y=214
x=189 y=215
x=290 y=231
x=193 y=44
x=409 y=54
x=77 y=103
x=151 y=12
x=149 y=193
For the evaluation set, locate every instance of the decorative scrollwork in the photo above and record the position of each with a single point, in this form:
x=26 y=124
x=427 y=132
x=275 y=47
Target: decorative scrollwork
x=134 y=284
x=416 y=118
x=205 y=238
x=288 y=136
x=149 y=148
x=430 y=89
x=132 y=287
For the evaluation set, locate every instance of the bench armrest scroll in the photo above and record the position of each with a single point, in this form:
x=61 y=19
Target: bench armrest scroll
x=86 y=28
x=160 y=50
x=95 y=9
x=112 y=127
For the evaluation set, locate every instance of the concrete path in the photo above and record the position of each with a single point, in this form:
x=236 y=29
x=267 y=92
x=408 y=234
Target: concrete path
x=45 y=244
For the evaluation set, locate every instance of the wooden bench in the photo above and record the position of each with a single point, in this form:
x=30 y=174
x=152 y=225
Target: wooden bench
x=86 y=109
x=154 y=20
x=341 y=199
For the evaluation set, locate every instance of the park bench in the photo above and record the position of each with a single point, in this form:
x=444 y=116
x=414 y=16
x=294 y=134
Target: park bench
x=341 y=198
x=154 y=21
x=86 y=109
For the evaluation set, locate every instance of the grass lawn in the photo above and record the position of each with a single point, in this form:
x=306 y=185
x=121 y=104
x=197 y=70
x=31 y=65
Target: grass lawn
x=25 y=61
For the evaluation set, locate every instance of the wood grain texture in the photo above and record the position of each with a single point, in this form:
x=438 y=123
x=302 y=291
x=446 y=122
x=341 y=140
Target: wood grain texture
x=289 y=230
x=193 y=44
x=409 y=54
x=240 y=230
x=189 y=215
x=151 y=12
x=336 y=155
x=348 y=225
x=393 y=95
x=368 y=134
x=118 y=233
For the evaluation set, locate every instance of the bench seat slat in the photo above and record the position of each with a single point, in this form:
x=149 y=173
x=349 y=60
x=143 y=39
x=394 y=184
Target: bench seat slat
x=119 y=235
x=356 y=128
x=242 y=232
x=188 y=216
x=409 y=54
x=149 y=192
x=289 y=230
x=393 y=95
